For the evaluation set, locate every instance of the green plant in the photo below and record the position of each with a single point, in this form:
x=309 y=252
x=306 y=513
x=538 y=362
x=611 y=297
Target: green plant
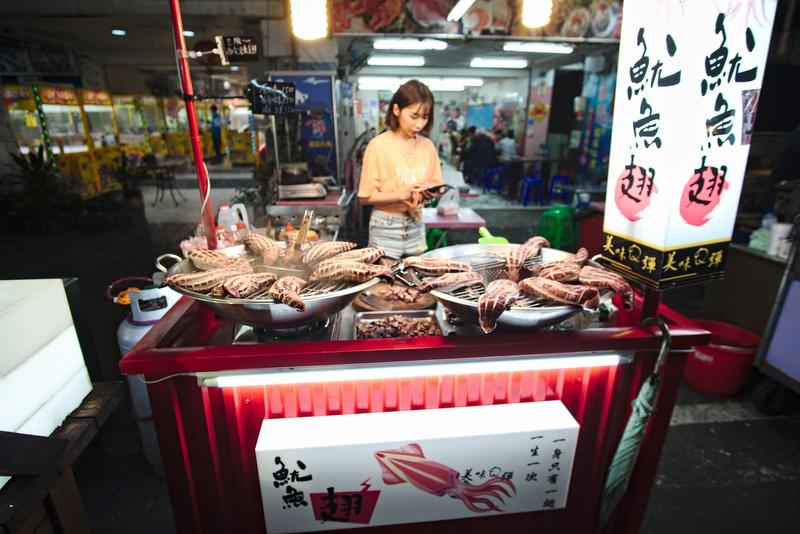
x=125 y=176
x=44 y=192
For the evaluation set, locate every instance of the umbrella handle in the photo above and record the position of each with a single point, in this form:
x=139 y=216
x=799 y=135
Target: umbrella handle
x=666 y=341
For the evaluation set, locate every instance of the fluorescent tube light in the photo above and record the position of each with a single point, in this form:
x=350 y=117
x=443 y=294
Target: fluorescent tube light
x=309 y=19
x=235 y=68
x=536 y=13
x=409 y=44
x=188 y=33
x=119 y=33
x=411 y=370
x=539 y=48
x=459 y=9
x=497 y=63
x=396 y=61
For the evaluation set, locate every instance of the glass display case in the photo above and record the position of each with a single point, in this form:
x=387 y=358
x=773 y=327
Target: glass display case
x=65 y=124
x=100 y=116
x=24 y=117
x=130 y=123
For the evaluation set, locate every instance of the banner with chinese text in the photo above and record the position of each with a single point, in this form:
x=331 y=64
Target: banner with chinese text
x=369 y=469
x=688 y=82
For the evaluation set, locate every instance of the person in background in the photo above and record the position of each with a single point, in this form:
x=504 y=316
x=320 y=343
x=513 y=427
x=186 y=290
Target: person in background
x=400 y=166
x=216 y=134
x=507 y=147
x=481 y=154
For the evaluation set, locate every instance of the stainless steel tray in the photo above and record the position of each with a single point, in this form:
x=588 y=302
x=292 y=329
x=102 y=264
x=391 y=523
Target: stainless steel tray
x=363 y=317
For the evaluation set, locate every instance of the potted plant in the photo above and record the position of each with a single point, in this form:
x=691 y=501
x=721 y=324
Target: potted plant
x=127 y=176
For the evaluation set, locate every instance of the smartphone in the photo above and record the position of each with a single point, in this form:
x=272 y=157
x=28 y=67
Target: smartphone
x=438 y=189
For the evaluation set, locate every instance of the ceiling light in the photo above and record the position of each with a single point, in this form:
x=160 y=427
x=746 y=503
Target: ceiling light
x=119 y=33
x=536 y=13
x=409 y=44
x=312 y=375
x=459 y=9
x=188 y=33
x=497 y=63
x=396 y=61
x=235 y=68
x=539 y=48
x=309 y=19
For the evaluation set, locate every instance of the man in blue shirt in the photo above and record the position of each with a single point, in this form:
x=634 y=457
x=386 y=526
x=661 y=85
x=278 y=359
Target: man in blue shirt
x=216 y=134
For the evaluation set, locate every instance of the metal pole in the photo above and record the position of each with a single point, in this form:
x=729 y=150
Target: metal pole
x=194 y=131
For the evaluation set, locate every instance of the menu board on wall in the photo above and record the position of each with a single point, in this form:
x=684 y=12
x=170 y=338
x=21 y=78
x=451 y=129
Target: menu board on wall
x=688 y=83
x=570 y=19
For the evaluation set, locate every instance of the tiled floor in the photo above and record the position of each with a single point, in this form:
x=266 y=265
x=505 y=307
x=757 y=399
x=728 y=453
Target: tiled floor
x=725 y=468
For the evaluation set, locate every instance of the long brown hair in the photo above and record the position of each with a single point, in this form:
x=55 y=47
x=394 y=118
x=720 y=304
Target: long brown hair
x=410 y=93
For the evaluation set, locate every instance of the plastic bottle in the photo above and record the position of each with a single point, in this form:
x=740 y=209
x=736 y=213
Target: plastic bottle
x=768 y=220
x=225 y=216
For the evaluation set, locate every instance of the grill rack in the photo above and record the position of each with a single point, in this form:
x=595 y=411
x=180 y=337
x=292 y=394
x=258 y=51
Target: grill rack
x=491 y=267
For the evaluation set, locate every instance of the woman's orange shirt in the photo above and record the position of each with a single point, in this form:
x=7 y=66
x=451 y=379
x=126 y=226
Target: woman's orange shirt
x=388 y=167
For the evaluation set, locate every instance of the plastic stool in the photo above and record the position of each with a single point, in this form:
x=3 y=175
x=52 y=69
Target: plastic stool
x=478 y=176
x=494 y=179
x=561 y=195
x=432 y=235
x=535 y=184
x=558 y=226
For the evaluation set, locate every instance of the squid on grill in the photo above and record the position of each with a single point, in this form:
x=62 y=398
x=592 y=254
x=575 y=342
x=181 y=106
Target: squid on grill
x=580 y=258
x=205 y=260
x=592 y=276
x=584 y=296
x=287 y=290
x=451 y=281
x=349 y=271
x=519 y=255
x=499 y=296
x=362 y=255
x=325 y=250
x=244 y=285
x=202 y=280
x=435 y=267
x=261 y=246
x=561 y=271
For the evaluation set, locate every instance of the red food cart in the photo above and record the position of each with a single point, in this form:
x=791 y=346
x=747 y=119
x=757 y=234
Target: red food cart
x=207 y=430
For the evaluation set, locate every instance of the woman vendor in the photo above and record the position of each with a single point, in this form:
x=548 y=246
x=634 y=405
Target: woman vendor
x=400 y=171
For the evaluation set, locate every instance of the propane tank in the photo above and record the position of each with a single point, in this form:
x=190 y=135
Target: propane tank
x=148 y=305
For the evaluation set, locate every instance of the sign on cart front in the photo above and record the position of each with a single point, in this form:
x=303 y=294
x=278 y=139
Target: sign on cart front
x=346 y=471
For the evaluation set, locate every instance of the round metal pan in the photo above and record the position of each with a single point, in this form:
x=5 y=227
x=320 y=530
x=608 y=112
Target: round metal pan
x=517 y=317
x=264 y=312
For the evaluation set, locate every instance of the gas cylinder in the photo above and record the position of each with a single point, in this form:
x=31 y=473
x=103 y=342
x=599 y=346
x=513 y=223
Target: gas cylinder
x=148 y=304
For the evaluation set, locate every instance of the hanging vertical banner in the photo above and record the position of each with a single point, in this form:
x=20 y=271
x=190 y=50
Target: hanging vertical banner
x=688 y=82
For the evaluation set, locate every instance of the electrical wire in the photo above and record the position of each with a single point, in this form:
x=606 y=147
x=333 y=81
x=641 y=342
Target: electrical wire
x=163 y=379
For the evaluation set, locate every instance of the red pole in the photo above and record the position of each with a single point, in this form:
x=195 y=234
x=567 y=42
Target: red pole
x=194 y=130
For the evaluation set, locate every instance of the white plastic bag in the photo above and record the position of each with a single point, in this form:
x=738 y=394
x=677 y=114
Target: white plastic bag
x=448 y=204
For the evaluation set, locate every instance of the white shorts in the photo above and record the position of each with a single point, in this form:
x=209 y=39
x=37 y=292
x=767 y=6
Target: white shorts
x=398 y=235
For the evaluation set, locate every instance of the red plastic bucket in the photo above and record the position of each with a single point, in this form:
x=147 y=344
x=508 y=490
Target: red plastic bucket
x=721 y=367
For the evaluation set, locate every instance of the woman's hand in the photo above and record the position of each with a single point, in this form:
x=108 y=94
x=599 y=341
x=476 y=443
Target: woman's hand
x=413 y=205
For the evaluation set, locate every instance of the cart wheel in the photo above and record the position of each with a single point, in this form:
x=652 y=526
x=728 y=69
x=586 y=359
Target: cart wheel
x=771 y=397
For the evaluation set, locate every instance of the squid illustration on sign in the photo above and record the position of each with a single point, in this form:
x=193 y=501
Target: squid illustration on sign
x=633 y=190
x=702 y=193
x=408 y=464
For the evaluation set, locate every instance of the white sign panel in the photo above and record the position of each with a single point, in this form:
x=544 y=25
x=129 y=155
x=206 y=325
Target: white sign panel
x=688 y=84
x=345 y=471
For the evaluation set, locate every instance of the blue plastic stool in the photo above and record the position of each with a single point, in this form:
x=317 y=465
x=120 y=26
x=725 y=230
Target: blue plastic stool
x=494 y=179
x=478 y=176
x=556 y=193
x=535 y=184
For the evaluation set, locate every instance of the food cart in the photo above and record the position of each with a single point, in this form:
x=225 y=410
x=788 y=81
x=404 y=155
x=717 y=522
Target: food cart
x=22 y=111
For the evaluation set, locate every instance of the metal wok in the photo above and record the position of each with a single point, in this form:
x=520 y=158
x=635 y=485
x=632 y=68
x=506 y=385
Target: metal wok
x=321 y=300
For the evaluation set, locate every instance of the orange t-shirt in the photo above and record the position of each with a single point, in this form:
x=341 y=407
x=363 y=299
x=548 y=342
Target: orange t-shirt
x=389 y=167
